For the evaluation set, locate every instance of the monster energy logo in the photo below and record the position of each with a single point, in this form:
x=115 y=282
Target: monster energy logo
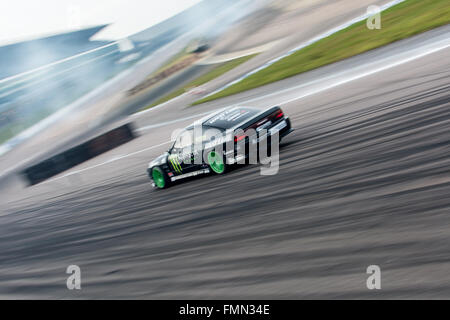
x=175 y=163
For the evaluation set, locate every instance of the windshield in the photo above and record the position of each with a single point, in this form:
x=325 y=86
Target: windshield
x=187 y=138
x=184 y=139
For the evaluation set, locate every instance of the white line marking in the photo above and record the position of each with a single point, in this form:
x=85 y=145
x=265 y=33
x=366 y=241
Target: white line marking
x=140 y=113
x=172 y=122
x=105 y=162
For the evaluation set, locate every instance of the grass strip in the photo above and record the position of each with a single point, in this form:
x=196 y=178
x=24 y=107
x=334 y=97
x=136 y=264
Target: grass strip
x=214 y=73
x=398 y=22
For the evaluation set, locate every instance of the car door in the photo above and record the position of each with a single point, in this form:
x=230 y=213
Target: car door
x=181 y=156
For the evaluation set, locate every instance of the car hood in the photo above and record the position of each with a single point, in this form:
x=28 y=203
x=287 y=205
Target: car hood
x=162 y=159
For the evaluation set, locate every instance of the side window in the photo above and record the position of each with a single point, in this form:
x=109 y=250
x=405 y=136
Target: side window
x=184 y=140
x=213 y=135
x=177 y=144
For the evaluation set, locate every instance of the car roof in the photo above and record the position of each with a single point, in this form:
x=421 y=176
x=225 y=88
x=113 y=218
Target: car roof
x=229 y=117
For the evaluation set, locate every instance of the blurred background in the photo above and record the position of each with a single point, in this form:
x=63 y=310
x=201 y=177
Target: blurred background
x=53 y=54
x=91 y=92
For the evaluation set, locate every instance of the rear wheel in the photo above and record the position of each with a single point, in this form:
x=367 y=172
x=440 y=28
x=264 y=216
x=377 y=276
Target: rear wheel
x=216 y=162
x=159 y=178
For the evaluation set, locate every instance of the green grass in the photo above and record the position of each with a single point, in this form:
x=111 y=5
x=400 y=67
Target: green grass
x=401 y=21
x=179 y=57
x=215 y=73
x=220 y=70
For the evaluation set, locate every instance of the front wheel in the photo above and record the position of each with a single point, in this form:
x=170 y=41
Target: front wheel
x=160 y=178
x=216 y=162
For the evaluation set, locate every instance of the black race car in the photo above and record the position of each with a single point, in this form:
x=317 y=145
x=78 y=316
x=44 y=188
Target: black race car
x=217 y=141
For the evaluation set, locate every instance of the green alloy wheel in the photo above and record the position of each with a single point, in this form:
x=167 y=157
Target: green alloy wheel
x=158 y=178
x=216 y=162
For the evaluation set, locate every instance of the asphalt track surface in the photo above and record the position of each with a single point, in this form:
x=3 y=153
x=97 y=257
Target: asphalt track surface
x=363 y=180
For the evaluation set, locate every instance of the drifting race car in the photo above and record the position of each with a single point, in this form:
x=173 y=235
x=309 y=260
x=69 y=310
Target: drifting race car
x=204 y=146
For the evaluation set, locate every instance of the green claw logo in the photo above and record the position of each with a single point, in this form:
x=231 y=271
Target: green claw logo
x=175 y=163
